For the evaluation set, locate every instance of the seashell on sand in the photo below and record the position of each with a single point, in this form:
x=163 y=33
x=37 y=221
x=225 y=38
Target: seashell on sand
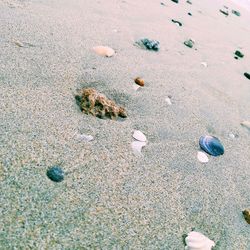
x=139 y=136
x=104 y=51
x=83 y=137
x=246 y=124
x=204 y=64
x=168 y=100
x=198 y=241
x=202 y=157
x=211 y=145
x=137 y=146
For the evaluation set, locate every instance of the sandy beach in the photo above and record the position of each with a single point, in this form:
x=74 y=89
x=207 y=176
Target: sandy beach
x=111 y=198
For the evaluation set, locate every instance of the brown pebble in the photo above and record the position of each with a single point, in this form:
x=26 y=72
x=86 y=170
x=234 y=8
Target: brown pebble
x=139 y=81
x=246 y=214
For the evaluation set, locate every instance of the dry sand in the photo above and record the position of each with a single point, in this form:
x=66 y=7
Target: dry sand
x=111 y=199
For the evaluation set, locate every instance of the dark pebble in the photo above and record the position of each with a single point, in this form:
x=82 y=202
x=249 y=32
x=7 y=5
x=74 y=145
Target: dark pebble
x=55 y=173
x=247 y=75
x=190 y=14
x=225 y=12
x=189 y=2
x=179 y=23
x=211 y=145
x=189 y=43
x=175 y=1
x=235 y=12
x=151 y=44
x=239 y=54
x=163 y=4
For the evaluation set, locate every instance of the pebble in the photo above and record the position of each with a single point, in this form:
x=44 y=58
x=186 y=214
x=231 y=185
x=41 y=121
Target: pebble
x=246 y=214
x=55 y=173
x=202 y=157
x=188 y=1
x=168 y=100
x=235 y=12
x=104 y=51
x=239 y=54
x=177 y=22
x=189 y=43
x=139 y=81
x=225 y=12
x=190 y=14
x=175 y=1
x=246 y=124
x=149 y=44
x=247 y=75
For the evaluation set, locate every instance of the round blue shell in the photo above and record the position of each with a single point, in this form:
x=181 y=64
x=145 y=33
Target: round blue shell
x=55 y=173
x=211 y=145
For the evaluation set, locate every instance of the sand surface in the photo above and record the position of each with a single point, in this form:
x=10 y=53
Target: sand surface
x=110 y=198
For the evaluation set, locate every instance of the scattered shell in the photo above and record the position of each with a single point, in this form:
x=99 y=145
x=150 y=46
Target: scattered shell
x=189 y=2
x=55 y=173
x=202 y=157
x=104 y=51
x=177 y=22
x=83 y=137
x=190 y=14
x=146 y=43
x=247 y=75
x=225 y=12
x=137 y=146
x=198 y=241
x=139 y=136
x=235 y=12
x=23 y=44
x=246 y=124
x=97 y=104
x=168 y=100
x=18 y=43
x=139 y=81
x=204 y=64
x=189 y=43
x=231 y=136
x=136 y=87
x=175 y=1
x=246 y=214
x=211 y=145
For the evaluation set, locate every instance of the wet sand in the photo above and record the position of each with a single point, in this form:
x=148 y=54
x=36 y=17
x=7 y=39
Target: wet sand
x=110 y=198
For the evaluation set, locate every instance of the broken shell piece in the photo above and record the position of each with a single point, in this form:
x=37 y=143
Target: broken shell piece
x=18 y=43
x=246 y=124
x=204 y=64
x=198 y=241
x=136 y=87
x=189 y=43
x=83 y=137
x=137 y=146
x=202 y=157
x=139 y=81
x=246 y=214
x=168 y=100
x=139 y=136
x=104 y=51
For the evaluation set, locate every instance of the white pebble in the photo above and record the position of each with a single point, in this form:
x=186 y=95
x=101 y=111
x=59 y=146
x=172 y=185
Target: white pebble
x=137 y=146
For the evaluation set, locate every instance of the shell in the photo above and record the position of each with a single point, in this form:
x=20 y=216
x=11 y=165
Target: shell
x=246 y=214
x=137 y=146
x=83 y=137
x=204 y=64
x=246 y=124
x=55 y=173
x=168 y=100
x=139 y=81
x=202 y=157
x=247 y=75
x=139 y=136
x=146 y=43
x=189 y=43
x=211 y=145
x=104 y=51
x=198 y=241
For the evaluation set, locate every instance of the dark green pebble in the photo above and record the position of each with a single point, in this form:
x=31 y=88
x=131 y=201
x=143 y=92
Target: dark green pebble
x=247 y=75
x=55 y=174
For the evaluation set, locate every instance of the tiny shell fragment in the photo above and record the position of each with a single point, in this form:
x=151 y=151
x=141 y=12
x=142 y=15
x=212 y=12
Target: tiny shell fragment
x=137 y=146
x=246 y=124
x=246 y=214
x=202 y=157
x=104 y=51
x=139 y=136
x=198 y=241
x=168 y=100
x=83 y=137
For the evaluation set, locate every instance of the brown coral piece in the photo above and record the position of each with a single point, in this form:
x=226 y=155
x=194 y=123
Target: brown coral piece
x=97 y=104
x=246 y=214
x=139 y=81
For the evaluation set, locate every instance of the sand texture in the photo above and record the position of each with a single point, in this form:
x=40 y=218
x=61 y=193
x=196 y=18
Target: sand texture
x=111 y=198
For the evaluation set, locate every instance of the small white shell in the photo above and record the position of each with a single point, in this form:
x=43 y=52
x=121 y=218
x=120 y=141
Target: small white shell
x=83 y=137
x=204 y=64
x=137 y=146
x=136 y=87
x=104 y=51
x=231 y=136
x=168 y=100
x=139 y=136
x=246 y=124
x=198 y=241
x=202 y=157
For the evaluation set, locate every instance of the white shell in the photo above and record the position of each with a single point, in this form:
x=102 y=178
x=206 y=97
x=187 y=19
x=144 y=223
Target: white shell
x=136 y=87
x=198 y=241
x=83 y=137
x=137 y=146
x=139 y=136
x=204 y=64
x=168 y=100
x=104 y=51
x=231 y=136
x=202 y=157
x=246 y=124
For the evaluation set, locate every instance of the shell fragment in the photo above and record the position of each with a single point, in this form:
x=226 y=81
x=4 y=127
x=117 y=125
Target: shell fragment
x=137 y=146
x=139 y=136
x=104 y=51
x=202 y=157
x=198 y=241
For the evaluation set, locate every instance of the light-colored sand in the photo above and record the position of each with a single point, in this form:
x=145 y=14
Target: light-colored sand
x=110 y=198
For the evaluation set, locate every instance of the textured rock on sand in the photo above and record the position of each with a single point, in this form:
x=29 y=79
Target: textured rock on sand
x=112 y=199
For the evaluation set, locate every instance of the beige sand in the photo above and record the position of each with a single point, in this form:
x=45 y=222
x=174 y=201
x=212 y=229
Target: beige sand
x=110 y=198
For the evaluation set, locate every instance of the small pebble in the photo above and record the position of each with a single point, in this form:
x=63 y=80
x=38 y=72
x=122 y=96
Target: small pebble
x=188 y=1
x=235 y=12
x=247 y=75
x=225 y=12
x=139 y=81
x=177 y=22
x=231 y=136
x=190 y=14
x=239 y=54
x=189 y=43
x=246 y=214
x=175 y=1
x=104 y=51
x=55 y=173
x=149 y=44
